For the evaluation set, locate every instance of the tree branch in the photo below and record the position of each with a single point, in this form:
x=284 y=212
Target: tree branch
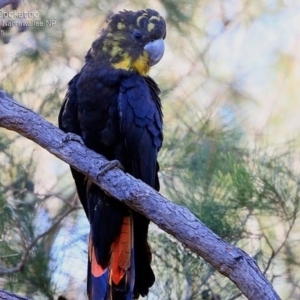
x=178 y=221
x=10 y=296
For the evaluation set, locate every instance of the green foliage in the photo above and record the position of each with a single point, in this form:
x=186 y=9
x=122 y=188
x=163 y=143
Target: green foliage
x=27 y=228
x=208 y=172
x=228 y=187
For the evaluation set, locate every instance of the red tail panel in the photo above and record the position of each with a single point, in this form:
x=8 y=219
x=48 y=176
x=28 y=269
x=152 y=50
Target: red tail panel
x=116 y=281
x=96 y=269
x=121 y=252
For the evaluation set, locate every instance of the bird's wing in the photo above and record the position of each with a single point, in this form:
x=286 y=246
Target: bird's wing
x=68 y=122
x=141 y=125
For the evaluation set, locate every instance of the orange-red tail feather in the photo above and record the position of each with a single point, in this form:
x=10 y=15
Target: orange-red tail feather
x=121 y=252
x=117 y=280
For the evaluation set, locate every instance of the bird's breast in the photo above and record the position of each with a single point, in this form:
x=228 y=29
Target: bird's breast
x=98 y=116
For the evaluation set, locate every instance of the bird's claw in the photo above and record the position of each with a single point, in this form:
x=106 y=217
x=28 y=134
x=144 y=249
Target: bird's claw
x=109 y=166
x=71 y=137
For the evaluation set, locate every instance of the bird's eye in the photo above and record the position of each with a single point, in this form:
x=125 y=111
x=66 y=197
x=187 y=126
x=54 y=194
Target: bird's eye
x=137 y=35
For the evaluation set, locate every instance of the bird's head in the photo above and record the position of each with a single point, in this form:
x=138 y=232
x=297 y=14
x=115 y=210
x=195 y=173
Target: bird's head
x=132 y=41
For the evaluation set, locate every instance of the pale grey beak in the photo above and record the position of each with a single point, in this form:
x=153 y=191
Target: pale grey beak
x=155 y=50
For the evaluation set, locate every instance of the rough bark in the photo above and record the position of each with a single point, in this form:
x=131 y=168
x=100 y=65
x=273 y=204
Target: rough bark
x=177 y=220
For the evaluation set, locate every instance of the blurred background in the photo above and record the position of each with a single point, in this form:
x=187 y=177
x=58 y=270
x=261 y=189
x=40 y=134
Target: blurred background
x=230 y=82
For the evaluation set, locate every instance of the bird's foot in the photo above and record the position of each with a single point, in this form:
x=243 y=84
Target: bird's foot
x=68 y=137
x=109 y=166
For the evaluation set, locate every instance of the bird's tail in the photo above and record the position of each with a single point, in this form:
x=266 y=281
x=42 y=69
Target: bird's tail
x=115 y=282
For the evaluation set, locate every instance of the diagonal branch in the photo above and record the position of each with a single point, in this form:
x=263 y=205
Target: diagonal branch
x=178 y=221
x=9 y=296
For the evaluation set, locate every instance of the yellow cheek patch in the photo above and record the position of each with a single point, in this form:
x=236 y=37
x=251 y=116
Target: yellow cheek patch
x=141 y=64
x=123 y=64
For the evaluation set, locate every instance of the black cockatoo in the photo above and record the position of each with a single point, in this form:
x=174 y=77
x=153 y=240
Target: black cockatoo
x=115 y=107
